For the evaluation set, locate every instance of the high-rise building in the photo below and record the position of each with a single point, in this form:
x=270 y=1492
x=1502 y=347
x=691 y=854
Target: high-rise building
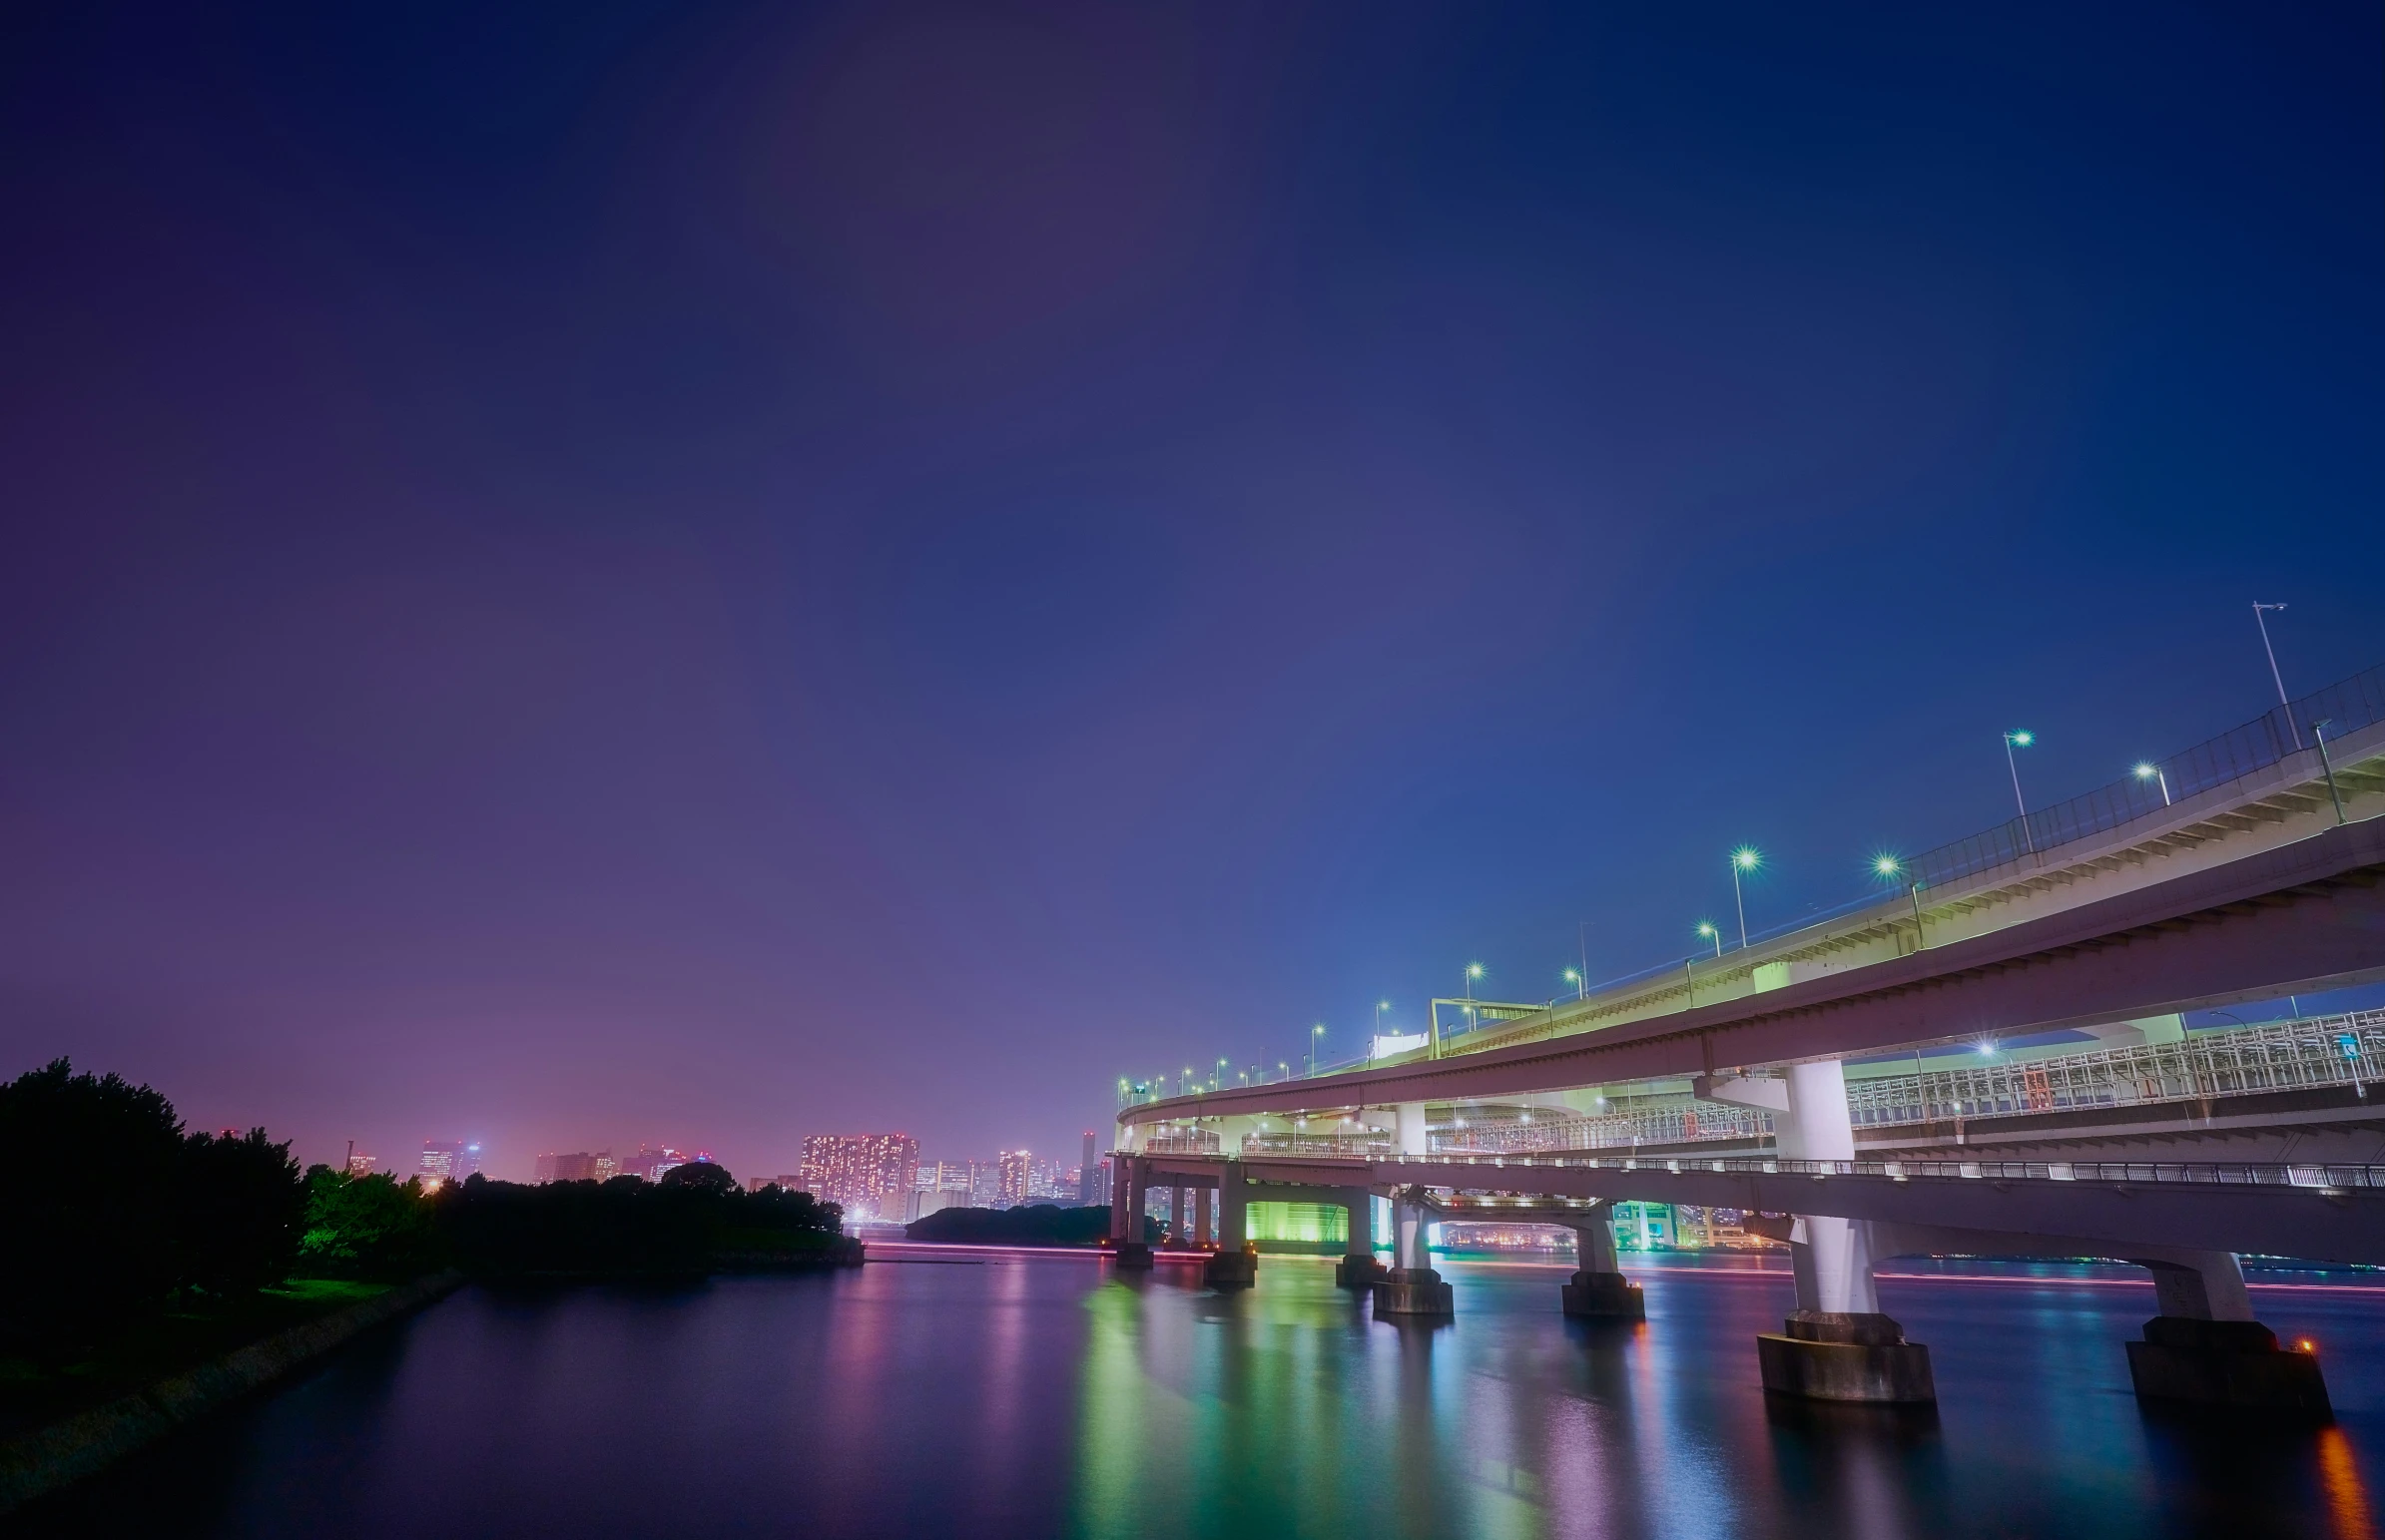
x=579 y=1167
x=1088 y=1173
x=449 y=1160
x=362 y=1165
x=868 y=1176
x=1016 y=1173
x=607 y=1167
x=986 y=1185
x=651 y=1161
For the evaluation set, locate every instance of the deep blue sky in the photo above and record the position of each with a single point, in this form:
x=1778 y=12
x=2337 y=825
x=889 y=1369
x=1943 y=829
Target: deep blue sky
x=713 y=574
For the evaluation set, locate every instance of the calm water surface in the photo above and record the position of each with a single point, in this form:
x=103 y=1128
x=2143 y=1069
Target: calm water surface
x=1034 y=1397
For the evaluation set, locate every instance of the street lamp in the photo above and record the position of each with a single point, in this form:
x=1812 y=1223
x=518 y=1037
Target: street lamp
x=1742 y=860
x=2318 y=735
x=2012 y=741
x=1888 y=867
x=2151 y=771
x=2276 y=677
x=1706 y=930
x=1316 y=1041
x=1581 y=987
x=1474 y=970
x=1380 y=1007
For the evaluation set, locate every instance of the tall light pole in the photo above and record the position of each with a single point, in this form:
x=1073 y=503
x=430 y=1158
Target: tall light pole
x=2276 y=677
x=1890 y=867
x=1474 y=970
x=1706 y=930
x=1582 y=988
x=2151 y=771
x=1380 y=1007
x=1742 y=860
x=2019 y=738
x=1316 y=1041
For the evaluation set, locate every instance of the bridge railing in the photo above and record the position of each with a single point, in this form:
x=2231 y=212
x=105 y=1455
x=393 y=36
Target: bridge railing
x=2194 y=1173
x=2324 y=1051
x=2270 y=739
x=1368 y=1144
x=2345 y=1050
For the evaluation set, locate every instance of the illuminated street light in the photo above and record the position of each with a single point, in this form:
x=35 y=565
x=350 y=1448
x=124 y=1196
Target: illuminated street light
x=1888 y=867
x=1380 y=1007
x=1742 y=860
x=1474 y=970
x=1706 y=930
x=1580 y=985
x=1316 y=1041
x=2012 y=741
x=2151 y=771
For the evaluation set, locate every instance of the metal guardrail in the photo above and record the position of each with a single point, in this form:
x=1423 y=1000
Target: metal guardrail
x=2269 y=739
x=2172 y=1172
x=2322 y=1052
x=2345 y=1050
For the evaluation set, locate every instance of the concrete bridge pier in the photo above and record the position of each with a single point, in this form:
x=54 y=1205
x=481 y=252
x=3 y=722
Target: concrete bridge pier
x=1128 y=1195
x=1838 y=1345
x=2205 y=1349
x=1358 y=1269
x=1412 y=1287
x=1598 y=1291
x=1235 y=1265
x=1200 y=1224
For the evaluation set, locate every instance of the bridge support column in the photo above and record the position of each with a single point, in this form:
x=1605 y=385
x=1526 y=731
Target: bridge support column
x=1200 y=1202
x=1179 y=1232
x=1412 y=1287
x=1235 y=1264
x=1411 y=1116
x=1129 y=1196
x=1358 y=1268
x=2205 y=1349
x=1598 y=1291
x=1838 y=1346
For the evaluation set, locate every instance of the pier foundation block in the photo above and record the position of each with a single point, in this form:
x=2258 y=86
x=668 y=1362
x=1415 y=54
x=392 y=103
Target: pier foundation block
x=1828 y=1355
x=2226 y=1363
x=1359 y=1269
x=1413 y=1292
x=1604 y=1296
x=1134 y=1255
x=1230 y=1269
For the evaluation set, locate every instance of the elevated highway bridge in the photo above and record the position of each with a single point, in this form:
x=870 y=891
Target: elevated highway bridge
x=2247 y=885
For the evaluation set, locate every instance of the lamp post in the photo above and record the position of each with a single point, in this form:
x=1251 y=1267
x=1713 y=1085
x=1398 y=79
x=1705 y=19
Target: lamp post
x=1380 y=1007
x=2318 y=734
x=2151 y=771
x=1316 y=1041
x=1742 y=860
x=2012 y=740
x=1893 y=869
x=1581 y=988
x=1706 y=930
x=2276 y=677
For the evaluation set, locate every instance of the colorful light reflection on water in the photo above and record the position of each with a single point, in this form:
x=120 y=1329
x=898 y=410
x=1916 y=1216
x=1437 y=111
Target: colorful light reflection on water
x=989 y=1394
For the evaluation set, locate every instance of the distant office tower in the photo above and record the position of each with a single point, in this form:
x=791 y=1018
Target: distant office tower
x=550 y=1167
x=362 y=1165
x=651 y=1161
x=450 y=1161
x=986 y=1185
x=1089 y=1175
x=607 y=1167
x=868 y=1176
x=1017 y=1168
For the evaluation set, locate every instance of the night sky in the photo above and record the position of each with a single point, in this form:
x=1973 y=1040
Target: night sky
x=708 y=574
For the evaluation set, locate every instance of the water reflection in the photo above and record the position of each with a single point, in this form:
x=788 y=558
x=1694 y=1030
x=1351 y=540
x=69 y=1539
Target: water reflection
x=1029 y=1398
